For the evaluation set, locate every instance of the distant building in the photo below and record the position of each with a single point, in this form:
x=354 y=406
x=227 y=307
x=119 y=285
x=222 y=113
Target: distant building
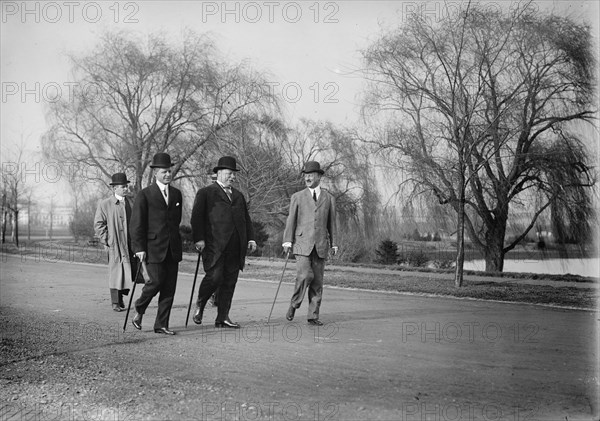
x=61 y=216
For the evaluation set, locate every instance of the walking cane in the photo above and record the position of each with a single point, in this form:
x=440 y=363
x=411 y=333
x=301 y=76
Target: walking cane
x=193 y=288
x=137 y=275
x=279 y=286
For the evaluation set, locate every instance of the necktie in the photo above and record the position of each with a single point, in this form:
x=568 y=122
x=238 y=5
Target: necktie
x=166 y=194
x=228 y=191
x=315 y=196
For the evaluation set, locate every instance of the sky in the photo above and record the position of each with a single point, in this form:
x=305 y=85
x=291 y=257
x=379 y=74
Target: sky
x=308 y=49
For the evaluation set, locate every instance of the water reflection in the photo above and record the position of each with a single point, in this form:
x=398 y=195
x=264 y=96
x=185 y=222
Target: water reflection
x=583 y=267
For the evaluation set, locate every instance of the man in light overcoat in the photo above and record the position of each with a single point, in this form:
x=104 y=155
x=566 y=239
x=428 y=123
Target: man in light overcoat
x=311 y=230
x=111 y=224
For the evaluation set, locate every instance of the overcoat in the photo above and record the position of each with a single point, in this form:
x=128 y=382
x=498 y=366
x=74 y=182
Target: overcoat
x=311 y=225
x=111 y=227
x=215 y=217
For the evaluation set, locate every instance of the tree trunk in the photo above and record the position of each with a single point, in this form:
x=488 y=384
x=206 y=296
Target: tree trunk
x=494 y=250
x=29 y=219
x=460 y=246
x=460 y=230
x=4 y=218
x=17 y=228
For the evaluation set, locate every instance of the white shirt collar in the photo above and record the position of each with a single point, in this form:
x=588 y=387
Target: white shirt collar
x=223 y=187
x=316 y=189
x=161 y=186
x=119 y=198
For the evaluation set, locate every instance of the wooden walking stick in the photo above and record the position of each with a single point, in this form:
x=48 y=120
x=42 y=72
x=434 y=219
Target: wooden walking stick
x=193 y=288
x=137 y=275
x=278 y=286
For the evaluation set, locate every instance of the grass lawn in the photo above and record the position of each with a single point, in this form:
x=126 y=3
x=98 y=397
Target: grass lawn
x=513 y=288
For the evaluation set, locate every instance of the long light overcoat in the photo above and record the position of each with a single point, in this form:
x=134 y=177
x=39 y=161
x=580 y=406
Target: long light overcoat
x=111 y=227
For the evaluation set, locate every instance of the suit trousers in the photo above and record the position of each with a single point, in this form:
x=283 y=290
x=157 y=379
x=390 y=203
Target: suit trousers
x=309 y=275
x=223 y=275
x=116 y=296
x=163 y=280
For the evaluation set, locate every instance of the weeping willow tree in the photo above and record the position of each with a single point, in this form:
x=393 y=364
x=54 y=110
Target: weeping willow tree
x=479 y=111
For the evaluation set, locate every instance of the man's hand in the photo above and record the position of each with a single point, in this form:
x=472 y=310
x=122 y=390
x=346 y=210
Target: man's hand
x=286 y=247
x=200 y=246
x=252 y=246
x=141 y=255
x=334 y=250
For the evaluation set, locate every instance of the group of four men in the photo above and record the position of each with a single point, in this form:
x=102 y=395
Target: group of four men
x=222 y=232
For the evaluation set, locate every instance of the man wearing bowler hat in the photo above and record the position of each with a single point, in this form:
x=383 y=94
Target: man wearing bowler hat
x=311 y=230
x=222 y=231
x=111 y=224
x=155 y=239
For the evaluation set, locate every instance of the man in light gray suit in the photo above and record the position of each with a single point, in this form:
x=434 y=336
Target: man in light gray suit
x=311 y=230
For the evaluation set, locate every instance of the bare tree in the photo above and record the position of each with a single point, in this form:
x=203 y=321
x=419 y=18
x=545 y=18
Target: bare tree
x=478 y=113
x=132 y=99
x=14 y=188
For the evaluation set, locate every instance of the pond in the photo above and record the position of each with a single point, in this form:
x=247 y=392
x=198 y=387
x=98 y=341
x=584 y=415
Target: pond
x=583 y=267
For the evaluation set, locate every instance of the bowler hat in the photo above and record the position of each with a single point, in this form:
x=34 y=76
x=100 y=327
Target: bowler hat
x=226 y=163
x=312 y=166
x=118 y=179
x=161 y=160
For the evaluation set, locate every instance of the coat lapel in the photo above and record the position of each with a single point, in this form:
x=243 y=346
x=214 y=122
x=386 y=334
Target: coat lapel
x=158 y=196
x=222 y=193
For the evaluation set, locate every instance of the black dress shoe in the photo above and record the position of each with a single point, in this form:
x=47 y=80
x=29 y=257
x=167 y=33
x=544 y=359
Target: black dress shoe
x=290 y=313
x=315 y=322
x=198 y=315
x=227 y=323
x=137 y=321
x=165 y=331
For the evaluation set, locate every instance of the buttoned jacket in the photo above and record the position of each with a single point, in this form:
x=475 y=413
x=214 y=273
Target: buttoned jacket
x=155 y=224
x=214 y=219
x=311 y=224
x=111 y=227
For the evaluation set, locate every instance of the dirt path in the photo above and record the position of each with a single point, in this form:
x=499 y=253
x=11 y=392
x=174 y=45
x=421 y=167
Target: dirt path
x=379 y=356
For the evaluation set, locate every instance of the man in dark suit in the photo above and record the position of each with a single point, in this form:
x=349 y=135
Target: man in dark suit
x=311 y=230
x=156 y=240
x=222 y=231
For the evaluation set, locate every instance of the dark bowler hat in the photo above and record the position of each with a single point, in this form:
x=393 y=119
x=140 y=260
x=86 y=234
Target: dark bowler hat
x=118 y=179
x=226 y=163
x=312 y=166
x=161 y=160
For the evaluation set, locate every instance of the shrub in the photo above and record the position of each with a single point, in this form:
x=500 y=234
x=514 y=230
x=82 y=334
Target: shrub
x=443 y=264
x=187 y=240
x=387 y=252
x=82 y=224
x=415 y=258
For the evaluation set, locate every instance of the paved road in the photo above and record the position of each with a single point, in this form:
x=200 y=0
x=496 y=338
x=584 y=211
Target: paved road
x=378 y=356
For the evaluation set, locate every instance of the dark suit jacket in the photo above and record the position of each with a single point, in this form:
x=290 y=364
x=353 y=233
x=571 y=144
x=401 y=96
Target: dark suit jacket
x=214 y=218
x=154 y=226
